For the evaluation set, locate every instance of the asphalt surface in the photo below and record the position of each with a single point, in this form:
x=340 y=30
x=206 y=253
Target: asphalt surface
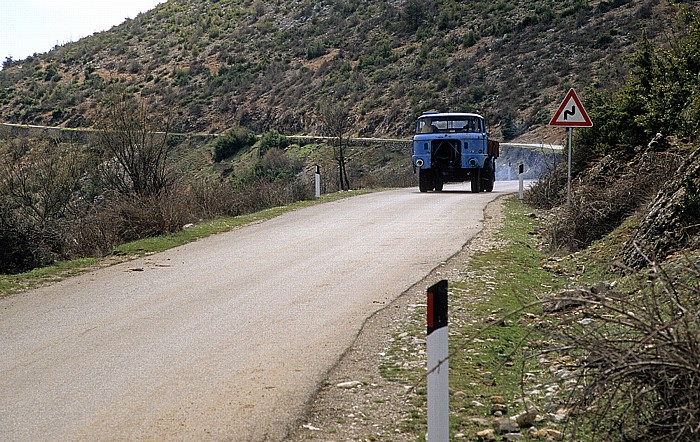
x=227 y=338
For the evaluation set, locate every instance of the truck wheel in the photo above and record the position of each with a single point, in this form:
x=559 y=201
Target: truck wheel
x=488 y=182
x=424 y=180
x=438 y=184
x=476 y=180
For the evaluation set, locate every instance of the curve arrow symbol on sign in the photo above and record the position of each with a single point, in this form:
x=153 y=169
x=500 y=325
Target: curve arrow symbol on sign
x=568 y=113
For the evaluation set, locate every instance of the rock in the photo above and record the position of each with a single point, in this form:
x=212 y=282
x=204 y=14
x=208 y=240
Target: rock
x=526 y=419
x=601 y=288
x=554 y=434
x=576 y=297
x=512 y=436
x=534 y=433
x=499 y=408
x=476 y=404
x=558 y=417
x=671 y=222
x=488 y=434
x=479 y=422
x=658 y=143
x=564 y=300
x=505 y=425
x=350 y=384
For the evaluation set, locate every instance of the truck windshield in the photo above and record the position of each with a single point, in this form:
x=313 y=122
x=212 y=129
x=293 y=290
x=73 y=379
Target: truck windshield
x=446 y=125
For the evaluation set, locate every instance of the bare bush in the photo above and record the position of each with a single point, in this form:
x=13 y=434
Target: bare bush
x=387 y=177
x=41 y=191
x=153 y=215
x=637 y=358
x=95 y=234
x=120 y=219
x=336 y=121
x=134 y=137
x=214 y=198
x=550 y=189
x=603 y=198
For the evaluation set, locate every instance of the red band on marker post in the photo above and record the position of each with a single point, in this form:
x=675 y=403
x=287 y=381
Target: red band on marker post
x=437 y=306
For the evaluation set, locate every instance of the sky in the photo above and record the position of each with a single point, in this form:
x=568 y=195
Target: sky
x=36 y=26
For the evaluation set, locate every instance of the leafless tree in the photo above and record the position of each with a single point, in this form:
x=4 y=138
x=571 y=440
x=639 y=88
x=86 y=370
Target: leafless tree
x=41 y=183
x=335 y=123
x=135 y=139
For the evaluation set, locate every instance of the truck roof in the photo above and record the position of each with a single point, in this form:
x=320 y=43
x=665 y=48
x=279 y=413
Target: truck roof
x=434 y=114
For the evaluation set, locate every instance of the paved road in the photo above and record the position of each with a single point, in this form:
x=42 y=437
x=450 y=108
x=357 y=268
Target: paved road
x=223 y=339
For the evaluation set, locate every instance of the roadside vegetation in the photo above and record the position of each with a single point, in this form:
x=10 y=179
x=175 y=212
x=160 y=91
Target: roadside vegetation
x=64 y=197
x=61 y=269
x=582 y=323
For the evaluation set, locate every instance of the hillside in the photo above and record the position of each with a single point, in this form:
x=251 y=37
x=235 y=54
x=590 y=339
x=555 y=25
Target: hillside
x=221 y=63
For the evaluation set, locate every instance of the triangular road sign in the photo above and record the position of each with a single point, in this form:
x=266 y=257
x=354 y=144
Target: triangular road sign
x=571 y=113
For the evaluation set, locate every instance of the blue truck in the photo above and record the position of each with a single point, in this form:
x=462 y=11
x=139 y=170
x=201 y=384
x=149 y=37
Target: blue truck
x=453 y=147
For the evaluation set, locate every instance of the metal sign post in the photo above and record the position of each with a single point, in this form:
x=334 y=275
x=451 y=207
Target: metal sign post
x=568 y=170
x=438 y=352
x=570 y=114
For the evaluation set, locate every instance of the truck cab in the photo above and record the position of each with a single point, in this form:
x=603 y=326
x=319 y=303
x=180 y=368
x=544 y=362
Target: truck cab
x=453 y=147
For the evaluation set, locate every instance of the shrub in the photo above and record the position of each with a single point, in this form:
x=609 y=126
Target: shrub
x=635 y=357
x=134 y=137
x=276 y=166
x=612 y=190
x=315 y=49
x=231 y=142
x=272 y=139
x=658 y=97
x=23 y=246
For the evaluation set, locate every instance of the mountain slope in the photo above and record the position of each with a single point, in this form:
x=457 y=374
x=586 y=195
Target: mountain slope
x=220 y=63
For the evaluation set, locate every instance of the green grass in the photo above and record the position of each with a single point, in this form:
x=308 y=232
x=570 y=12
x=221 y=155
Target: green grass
x=489 y=330
x=493 y=346
x=10 y=284
x=60 y=270
x=497 y=326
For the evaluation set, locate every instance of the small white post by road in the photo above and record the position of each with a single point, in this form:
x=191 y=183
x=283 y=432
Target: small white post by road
x=521 y=188
x=317 y=181
x=438 y=352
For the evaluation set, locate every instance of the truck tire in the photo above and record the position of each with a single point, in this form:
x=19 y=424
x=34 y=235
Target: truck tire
x=439 y=183
x=488 y=182
x=424 y=180
x=476 y=180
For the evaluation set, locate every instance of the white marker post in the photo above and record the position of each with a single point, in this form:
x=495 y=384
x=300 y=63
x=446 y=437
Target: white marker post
x=570 y=114
x=521 y=187
x=438 y=351
x=317 y=181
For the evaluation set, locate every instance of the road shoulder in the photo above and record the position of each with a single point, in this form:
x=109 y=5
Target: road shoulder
x=356 y=402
